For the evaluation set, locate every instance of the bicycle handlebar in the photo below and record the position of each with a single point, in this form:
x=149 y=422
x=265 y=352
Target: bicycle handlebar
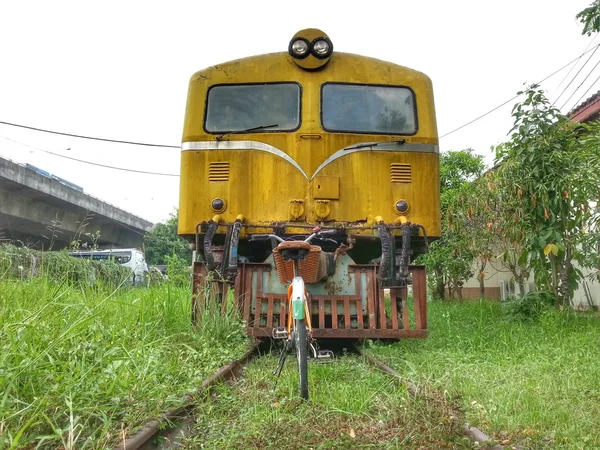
x=327 y=232
x=264 y=237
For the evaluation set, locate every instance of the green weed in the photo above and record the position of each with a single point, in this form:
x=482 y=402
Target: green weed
x=352 y=406
x=533 y=382
x=530 y=307
x=80 y=367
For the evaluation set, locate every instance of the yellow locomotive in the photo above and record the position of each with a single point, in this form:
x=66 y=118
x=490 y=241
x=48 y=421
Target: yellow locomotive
x=285 y=142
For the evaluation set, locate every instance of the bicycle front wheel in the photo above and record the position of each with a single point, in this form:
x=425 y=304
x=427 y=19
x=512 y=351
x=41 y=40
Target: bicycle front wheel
x=302 y=355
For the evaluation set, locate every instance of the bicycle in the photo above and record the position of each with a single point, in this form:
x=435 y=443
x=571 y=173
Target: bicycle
x=299 y=328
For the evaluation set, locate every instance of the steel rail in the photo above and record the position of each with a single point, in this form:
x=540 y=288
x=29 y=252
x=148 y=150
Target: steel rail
x=142 y=437
x=474 y=433
x=152 y=428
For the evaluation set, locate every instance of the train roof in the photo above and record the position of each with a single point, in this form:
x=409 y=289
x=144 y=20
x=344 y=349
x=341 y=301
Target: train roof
x=282 y=67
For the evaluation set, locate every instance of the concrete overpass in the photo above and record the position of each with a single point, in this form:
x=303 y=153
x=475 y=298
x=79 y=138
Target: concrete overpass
x=38 y=209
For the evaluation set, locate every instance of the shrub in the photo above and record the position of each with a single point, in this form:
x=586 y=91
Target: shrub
x=21 y=262
x=531 y=307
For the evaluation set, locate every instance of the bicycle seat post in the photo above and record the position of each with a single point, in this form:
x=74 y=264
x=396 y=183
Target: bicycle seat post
x=296 y=268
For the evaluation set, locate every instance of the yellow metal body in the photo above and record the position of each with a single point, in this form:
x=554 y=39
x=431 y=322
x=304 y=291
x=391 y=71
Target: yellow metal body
x=265 y=188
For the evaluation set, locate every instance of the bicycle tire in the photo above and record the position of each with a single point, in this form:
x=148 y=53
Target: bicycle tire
x=302 y=355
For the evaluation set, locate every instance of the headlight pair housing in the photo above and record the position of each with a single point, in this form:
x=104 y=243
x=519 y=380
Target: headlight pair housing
x=320 y=48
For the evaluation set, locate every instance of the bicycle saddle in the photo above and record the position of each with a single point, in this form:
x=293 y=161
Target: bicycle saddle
x=293 y=245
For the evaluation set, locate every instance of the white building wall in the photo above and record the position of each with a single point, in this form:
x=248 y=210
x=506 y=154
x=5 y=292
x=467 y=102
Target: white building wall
x=588 y=292
x=493 y=275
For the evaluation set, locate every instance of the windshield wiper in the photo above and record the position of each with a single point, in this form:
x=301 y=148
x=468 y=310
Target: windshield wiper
x=247 y=130
x=375 y=144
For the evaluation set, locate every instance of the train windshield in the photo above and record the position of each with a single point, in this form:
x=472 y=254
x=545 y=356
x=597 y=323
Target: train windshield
x=355 y=108
x=252 y=106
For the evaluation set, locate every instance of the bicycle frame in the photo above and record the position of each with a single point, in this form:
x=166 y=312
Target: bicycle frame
x=298 y=301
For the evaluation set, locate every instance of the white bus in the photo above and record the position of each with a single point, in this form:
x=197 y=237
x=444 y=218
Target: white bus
x=132 y=258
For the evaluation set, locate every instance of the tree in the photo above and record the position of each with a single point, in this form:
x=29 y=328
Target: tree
x=162 y=242
x=548 y=174
x=494 y=231
x=473 y=215
x=590 y=18
x=450 y=258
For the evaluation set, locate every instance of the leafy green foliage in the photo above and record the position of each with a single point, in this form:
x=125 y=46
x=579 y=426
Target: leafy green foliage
x=590 y=18
x=162 y=242
x=491 y=224
x=450 y=258
x=80 y=367
x=530 y=307
x=548 y=174
x=458 y=169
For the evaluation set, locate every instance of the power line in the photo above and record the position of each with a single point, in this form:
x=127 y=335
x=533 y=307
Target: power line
x=93 y=163
x=573 y=67
x=79 y=136
x=580 y=84
x=177 y=146
x=573 y=79
x=517 y=96
x=585 y=93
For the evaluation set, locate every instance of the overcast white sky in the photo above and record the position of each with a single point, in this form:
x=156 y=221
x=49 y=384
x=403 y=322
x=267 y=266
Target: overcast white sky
x=120 y=69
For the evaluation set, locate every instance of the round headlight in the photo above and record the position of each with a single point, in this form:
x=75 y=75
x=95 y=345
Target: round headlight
x=218 y=205
x=401 y=207
x=321 y=48
x=299 y=48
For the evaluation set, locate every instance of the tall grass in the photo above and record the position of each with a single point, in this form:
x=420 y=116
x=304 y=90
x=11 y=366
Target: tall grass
x=21 y=263
x=81 y=366
x=534 y=382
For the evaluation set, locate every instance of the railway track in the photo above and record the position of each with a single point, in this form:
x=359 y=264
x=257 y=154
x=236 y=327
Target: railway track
x=351 y=402
x=163 y=426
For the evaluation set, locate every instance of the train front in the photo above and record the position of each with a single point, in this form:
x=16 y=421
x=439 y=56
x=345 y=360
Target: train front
x=285 y=142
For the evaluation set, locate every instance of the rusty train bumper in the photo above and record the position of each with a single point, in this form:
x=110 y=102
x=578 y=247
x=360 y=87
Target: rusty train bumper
x=363 y=311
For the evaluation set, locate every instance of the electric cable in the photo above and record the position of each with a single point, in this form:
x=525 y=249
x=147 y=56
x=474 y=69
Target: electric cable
x=573 y=79
x=593 y=49
x=585 y=93
x=93 y=163
x=80 y=136
x=575 y=65
x=580 y=84
x=516 y=96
